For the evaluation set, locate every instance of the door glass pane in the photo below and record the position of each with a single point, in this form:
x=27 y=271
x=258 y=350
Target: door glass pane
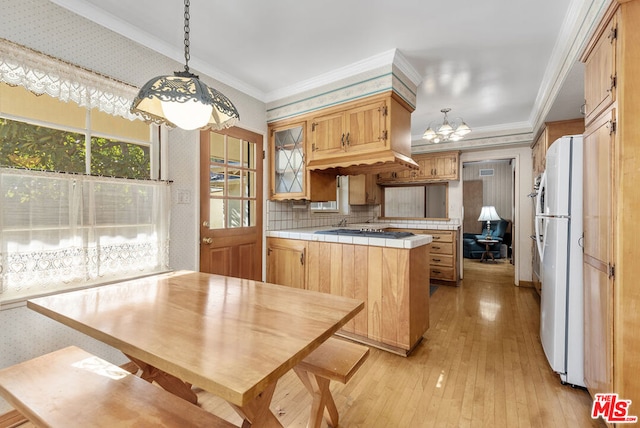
x=235 y=213
x=234 y=147
x=249 y=184
x=216 y=180
x=216 y=148
x=249 y=218
x=216 y=213
x=249 y=155
x=234 y=183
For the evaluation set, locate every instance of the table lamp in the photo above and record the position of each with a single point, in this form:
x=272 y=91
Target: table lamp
x=488 y=214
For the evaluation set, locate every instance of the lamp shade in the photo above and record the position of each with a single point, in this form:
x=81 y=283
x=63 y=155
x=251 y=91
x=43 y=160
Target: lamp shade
x=488 y=213
x=185 y=101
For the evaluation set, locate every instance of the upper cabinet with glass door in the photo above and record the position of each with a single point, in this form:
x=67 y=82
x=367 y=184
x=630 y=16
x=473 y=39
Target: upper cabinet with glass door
x=286 y=154
x=289 y=178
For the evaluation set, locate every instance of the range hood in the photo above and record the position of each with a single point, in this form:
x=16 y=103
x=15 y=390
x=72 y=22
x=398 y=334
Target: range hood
x=369 y=163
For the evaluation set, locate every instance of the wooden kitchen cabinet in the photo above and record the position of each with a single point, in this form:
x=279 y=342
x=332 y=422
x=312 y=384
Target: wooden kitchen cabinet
x=288 y=175
x=550 y=133
x=611 y=177
x=439 y=166
x=360 y=128
x=600 y=70
x=393 y=283
x=443 y=166
x=443 y=259
x=365 y=132
x=286 y=262
x=364 y=190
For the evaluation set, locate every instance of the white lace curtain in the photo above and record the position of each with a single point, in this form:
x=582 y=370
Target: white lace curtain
x=58 y=229
x=42 y=74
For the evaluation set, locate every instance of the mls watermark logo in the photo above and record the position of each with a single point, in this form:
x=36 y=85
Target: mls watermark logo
x=612 y=409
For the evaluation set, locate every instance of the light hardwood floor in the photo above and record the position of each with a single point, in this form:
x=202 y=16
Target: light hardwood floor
x=480 y=364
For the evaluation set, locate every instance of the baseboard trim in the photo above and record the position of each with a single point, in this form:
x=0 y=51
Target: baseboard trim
x=526 y=284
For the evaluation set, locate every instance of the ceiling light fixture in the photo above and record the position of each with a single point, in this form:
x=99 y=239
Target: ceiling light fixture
x=183 y=100
x=446 y=131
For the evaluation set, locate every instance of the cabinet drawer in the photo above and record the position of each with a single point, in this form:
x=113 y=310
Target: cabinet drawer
x=441 y=260
x=442 y=248
x=441 y=236
x=445 y=273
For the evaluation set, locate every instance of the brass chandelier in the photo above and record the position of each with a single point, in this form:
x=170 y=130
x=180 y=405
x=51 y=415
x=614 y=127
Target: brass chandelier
x=183 y=100
x=453 y=130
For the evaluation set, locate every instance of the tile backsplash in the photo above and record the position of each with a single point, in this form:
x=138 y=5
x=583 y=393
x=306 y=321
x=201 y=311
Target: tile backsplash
x=282 y=215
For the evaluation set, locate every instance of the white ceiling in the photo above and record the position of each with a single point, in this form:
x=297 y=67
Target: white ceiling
x=500 y=64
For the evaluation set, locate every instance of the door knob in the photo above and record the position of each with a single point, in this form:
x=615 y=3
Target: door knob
x=207 y=240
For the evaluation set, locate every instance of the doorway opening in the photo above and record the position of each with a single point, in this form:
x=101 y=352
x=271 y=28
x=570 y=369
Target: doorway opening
x=489 y=183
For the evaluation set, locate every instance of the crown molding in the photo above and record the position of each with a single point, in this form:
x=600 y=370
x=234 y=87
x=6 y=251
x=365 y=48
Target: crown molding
x=380 y=60
x=405 y=67
x=579 y=22
x=511 y=134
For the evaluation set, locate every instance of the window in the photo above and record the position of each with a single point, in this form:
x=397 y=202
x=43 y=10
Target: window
x=232 y=182
x=66 y=219
x=62 y=230
x=25 y=145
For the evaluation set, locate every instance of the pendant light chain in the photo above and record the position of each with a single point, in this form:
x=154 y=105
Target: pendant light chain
x=183 y=100
x=187 y=57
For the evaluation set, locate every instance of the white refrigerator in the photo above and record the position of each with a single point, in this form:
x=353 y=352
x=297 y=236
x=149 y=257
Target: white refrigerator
x=558 y=225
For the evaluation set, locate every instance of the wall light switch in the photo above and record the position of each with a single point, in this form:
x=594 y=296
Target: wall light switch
x=184 y=196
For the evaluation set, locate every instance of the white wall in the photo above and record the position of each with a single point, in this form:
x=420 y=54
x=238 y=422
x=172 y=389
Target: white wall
x=523 y=205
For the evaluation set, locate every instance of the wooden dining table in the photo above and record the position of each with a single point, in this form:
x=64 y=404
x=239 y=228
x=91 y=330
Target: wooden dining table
x=232 y=337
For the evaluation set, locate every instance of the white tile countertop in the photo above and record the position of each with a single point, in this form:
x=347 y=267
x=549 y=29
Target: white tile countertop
x=308 y=234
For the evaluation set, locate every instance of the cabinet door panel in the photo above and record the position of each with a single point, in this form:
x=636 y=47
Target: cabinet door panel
x=598 y=330
x=365 y=127
x=286 y=262
x=597 y=179
x=327 y=133
x=600 y=89
x=288 y=176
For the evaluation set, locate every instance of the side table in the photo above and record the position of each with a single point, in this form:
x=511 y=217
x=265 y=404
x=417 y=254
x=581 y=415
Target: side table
x=488 y=243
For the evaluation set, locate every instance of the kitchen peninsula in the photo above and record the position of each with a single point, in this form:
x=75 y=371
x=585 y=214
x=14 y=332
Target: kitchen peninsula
x=390 y=275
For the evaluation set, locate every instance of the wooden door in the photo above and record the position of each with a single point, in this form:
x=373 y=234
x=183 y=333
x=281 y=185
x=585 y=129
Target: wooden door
x=327 y=135
x=472 y=194
x=286 y=262
x=366 y=128
x=598 y=255
x=231 y=203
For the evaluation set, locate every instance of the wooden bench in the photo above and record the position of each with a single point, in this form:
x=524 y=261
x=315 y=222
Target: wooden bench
x=72 y=388
x=335 y=360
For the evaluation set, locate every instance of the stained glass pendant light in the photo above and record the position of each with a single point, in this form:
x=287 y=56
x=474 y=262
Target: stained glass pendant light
x=183 y=100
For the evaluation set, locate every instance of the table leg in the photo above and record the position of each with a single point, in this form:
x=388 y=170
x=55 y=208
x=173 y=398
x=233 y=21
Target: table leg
x=256 y=413
x=487 y=251
x=318 y=387
x=169 y=382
